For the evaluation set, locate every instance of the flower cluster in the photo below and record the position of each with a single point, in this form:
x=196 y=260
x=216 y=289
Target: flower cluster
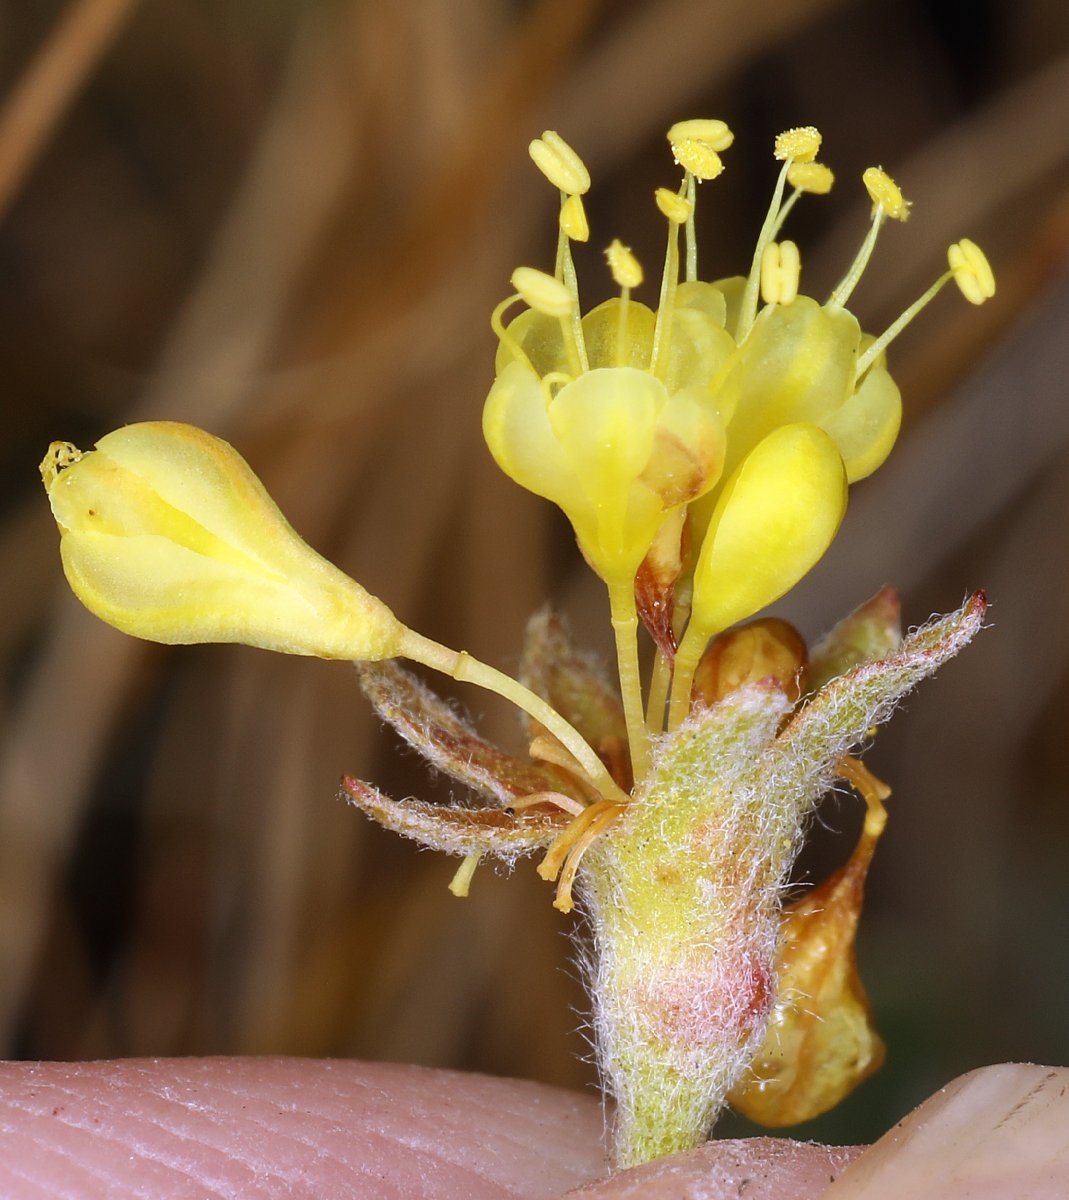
x=702 y=451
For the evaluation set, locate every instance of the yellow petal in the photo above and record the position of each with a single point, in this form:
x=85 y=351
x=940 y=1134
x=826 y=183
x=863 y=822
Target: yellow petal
x=688 y=448
x=797 y=365
x=536 y=336
x=609 y=345
x=168 y=535
x=605 y=422
x=774 y=520
x=866 y=426
x=517 y=430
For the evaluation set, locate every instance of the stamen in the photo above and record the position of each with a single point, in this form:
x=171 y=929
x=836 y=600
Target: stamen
x=662 y=332
x=798 y=145
x=812 y=177
x=549 y=749
x=572 y=325
x=544 y=293
x=804 y=177
x=699 y=159
x=625 y=267
x=972 y=272
x=690 y=237
x=503 y=335
x=563 y=802
x=713 y=132
x=886 y=194
x=559 y=163
x=572 y=843
x=627 y=274
x=872 y=790
x=573 y=222
x=748 y=307
x=563 y=899
x=781 y=268
x=896 y=327
x=678 y=209
x=697 y=145
x=461 y=881
x=842 y=293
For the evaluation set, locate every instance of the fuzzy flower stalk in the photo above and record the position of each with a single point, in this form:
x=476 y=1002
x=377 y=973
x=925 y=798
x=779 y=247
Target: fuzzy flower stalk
x=702 y=450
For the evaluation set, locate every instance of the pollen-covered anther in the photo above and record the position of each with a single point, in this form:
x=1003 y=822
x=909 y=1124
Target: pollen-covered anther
x=972 y=272
x=544 y=293
x=625 y=267
x=672 y=205
x=699 y=158
x=781 y=268
x=798 y=145
x=885 y=194
x=812 y=177
x=573 y=220
x=559 y=163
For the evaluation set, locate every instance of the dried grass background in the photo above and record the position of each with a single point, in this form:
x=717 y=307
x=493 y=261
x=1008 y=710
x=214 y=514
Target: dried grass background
x=288 y=223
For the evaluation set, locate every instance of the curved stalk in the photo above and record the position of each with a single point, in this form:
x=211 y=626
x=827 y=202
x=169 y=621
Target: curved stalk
x=625 y=627
x=461 y=666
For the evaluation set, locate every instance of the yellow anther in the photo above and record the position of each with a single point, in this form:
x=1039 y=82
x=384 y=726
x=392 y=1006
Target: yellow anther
x=675 y=207
x=715 y=134
x=885 y=194
x=799 y=145
x=544 y=293
x=559 y=163
x=573 y=220
x=972 y=271
x=781 y=267
x=625 y=267
x=699 y=158
x=811 y=177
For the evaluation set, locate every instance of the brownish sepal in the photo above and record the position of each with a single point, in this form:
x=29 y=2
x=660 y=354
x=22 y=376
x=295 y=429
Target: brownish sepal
x=574 y=684
x=455 y=830
x=657 y=579
x=872 y=631
x=820 y=1042
x=451 y=745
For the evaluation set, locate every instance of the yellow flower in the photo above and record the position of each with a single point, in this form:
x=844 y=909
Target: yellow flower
x=168 y=535
x=614 y=444
x=714 y=419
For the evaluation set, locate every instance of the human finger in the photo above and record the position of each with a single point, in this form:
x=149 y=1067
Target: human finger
x=758 y=1168
x=995 y=1132
x=262 y=1128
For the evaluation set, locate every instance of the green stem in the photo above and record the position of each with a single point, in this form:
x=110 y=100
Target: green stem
x=461 y=666
x=688 y=656
x=625 y=627
x=658 y=697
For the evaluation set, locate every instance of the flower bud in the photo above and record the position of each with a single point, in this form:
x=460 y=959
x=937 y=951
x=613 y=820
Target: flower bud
x=167 y=534
x=766 y=649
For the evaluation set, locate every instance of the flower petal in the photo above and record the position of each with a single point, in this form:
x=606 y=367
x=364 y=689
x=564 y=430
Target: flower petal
x=167 y=534
x=796 y=365
x=773 y=521
x=866 y=426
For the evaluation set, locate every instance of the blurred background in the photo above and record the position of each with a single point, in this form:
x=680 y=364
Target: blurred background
x=288 y=222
